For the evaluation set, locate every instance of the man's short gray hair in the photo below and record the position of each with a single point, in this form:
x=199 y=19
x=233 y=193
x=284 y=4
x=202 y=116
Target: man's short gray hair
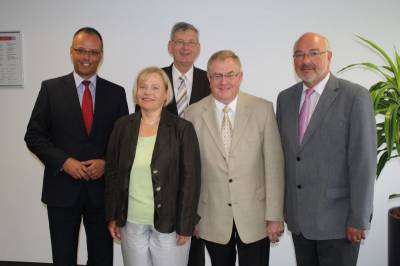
x=182 y=26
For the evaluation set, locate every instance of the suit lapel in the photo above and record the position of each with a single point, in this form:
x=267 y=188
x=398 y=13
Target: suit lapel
x=133 y=135
x=172 y=105
x=100 y=102
x=327 y=98
x=72 y=97
x=162 y=139
x=293 y=123
x=211 y=123
x=241 y=119
x=196 y=90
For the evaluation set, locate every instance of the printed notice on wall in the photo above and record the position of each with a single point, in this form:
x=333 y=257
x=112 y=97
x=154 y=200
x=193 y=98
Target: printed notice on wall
x=10 y=58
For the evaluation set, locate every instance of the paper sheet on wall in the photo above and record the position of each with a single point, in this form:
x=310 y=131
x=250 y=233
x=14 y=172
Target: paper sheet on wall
x=11 y=59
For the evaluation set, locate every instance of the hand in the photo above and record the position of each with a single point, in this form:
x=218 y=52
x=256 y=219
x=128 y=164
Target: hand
x=196 y=231
x=95 y=168
x=355 y=235
x=274 y=230
x=75 y=168
x=114 y=230
x=181 y=240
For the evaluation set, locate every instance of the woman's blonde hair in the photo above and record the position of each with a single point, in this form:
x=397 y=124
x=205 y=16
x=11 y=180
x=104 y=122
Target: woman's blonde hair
x=153 y=70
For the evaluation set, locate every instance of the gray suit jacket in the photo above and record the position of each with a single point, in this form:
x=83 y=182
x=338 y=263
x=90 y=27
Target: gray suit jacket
x=248 y=185
x=330 y=176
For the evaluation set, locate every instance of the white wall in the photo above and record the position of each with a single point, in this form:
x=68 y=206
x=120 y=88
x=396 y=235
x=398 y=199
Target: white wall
x=135 y=35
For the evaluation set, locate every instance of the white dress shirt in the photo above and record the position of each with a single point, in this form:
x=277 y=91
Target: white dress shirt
x=219 y=111
x=188 y=81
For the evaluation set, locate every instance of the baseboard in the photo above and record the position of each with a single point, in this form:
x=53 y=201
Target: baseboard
x=20 y=263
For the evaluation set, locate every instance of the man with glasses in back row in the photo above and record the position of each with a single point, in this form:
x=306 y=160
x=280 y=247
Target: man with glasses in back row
x=190 y=84
x=68 y=131
x=328 y=134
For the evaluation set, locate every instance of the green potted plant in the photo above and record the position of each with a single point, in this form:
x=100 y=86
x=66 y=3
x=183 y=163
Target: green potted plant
x=385 y=96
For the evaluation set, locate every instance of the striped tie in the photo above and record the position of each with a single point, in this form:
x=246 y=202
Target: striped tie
x=182 y=97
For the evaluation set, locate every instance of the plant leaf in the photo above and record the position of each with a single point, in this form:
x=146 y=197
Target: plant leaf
x=381 y=51
x=392 y=196
x=390 y=116
x=396 y=54
x=369 y=66
x=381 y=163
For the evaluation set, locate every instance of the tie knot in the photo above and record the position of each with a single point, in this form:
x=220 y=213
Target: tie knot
x=182 y=78
x=309 y=92
x=86 y=83
x=226 y=109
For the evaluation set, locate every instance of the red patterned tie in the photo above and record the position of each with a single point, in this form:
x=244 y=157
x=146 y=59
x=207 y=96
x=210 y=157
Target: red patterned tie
x=87 y=107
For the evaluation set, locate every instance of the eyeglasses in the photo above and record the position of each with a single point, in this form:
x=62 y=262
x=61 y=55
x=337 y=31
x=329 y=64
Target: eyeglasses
x=81 y=52
x=311 y=54
x=190 y=44
x=228 y=76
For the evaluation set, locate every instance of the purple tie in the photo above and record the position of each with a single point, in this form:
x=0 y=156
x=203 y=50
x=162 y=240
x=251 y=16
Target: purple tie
x=304 y=114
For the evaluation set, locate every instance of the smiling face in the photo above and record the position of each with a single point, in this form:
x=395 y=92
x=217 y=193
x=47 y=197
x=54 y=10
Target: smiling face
x=86 y=54
x=151 y=92
x=225 y=77
x=314 y=64
x=184 y=48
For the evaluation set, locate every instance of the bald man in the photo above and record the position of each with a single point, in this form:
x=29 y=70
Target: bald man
x=328 y=134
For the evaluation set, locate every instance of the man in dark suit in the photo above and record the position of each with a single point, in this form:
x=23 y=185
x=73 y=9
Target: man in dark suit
x=68 y=131
x=184 y=47
x=328 y=134
x=190 y=85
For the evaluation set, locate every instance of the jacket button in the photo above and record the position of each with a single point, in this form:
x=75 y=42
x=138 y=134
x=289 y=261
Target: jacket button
x=158 y=188
x=298 y=159
x=229 y=204
x=299 y=186
x=159 y=205
x=230 y=180
x=155 y=171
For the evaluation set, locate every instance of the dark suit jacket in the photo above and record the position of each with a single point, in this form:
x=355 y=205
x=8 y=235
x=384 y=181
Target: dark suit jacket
x=330 y=176
x=200 y=88
x=56 y=131
x=175 y=170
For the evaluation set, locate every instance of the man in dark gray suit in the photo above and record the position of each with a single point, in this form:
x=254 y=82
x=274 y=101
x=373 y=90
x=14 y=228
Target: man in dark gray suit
x=328 y=134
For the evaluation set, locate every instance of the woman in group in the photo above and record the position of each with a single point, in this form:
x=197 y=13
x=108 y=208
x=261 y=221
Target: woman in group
x=152 y=178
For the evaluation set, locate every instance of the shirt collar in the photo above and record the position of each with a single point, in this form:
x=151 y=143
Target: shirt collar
x=176 y=74
x=232 y=105
x=78 y=80
x=319 y=88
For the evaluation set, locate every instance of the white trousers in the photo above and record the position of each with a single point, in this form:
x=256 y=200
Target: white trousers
x=143 y=245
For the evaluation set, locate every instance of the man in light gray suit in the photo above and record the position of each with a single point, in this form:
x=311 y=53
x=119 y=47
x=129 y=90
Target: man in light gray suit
x=242 y=183
x=328 y=134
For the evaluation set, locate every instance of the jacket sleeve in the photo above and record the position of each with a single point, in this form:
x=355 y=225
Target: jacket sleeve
x=123 y=104
x=362 y=160
x=38 y=133
x=274 y=168
x=189 y=186
x=111 y=195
